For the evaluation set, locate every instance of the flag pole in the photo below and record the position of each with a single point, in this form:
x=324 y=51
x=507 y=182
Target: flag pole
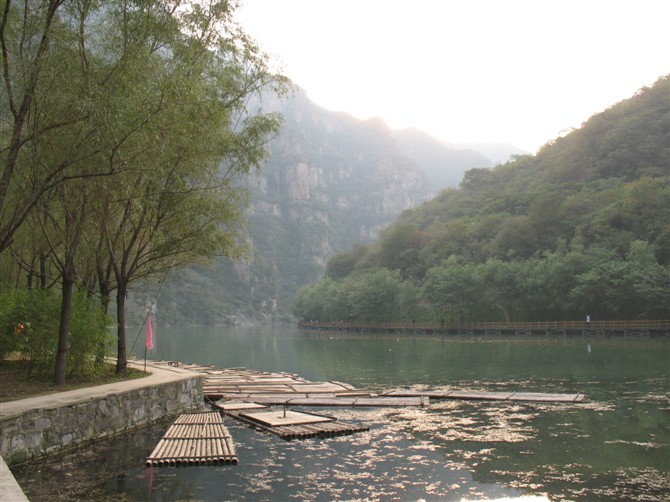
x=146 y=337
x=149 y=341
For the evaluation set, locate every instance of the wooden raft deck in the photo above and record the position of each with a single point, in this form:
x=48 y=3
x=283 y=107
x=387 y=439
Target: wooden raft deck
x=288 y=424
x=194 y=438
x=537 y=397
x=282 y=389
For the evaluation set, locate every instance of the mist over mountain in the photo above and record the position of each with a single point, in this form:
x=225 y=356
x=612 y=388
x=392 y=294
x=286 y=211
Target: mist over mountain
x=444 y=165
x=497 y=153
x=332 y=182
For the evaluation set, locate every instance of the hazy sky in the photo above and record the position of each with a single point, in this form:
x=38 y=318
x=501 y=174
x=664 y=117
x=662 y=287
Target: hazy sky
x=513 y=71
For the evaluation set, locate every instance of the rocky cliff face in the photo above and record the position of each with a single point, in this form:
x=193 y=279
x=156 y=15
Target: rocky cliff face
x=327 y=165
x=331 y=181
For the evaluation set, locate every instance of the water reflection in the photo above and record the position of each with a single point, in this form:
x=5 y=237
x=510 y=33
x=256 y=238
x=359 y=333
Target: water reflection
x=614 y=447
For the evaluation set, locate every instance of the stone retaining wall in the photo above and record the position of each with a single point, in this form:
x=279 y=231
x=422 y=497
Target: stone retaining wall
x=42 y=431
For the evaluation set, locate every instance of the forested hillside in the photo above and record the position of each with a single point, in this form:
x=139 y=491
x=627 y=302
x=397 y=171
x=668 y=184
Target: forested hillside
x=583 y=227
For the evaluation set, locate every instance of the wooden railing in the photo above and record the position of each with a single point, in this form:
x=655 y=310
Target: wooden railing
x=663 y=324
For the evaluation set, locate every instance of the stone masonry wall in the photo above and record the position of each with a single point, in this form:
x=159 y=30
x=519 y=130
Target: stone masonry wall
x=43 y=431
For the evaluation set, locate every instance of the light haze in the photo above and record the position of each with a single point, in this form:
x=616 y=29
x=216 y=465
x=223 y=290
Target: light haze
x=500 y=71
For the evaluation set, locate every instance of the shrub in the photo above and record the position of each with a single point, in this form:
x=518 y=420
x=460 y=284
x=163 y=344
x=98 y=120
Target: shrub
x=29 y=321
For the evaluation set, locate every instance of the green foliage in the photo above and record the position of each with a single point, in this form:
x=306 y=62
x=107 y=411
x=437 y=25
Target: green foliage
x=581 y=228
x=127 y=127
x=374 y=296
x=344 y=263
x=29 y=331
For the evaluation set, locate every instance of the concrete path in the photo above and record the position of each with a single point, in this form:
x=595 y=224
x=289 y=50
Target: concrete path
x=10 y=491
x=159 y=374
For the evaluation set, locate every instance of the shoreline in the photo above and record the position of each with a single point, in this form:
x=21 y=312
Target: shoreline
x=36 y=427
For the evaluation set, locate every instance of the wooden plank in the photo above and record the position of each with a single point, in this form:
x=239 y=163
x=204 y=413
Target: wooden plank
x=478 y=395
x=286 y=388
x=343 y=384
x=379 y=401
x=238 y=405
x=321 y=401
x=274 y=398
x=544 y=398
x=302 y=431
x=246 y=389
x=416 y=393
x=287 y=417
x=318 y=387
x=390 y=401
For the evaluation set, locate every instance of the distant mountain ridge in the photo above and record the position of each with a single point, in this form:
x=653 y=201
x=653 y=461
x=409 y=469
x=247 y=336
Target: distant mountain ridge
x=446 y=163
x=498 y=153
x=444 y=166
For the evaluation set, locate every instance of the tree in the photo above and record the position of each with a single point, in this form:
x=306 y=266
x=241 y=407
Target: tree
x=132 y=121
x=40 y=102
x=342 y=264
x=399 y=248
x=375 y=295
x=176 y=198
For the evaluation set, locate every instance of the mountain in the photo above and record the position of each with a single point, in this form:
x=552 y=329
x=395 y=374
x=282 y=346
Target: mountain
x=497 y=153
x=582 y=226
x=444 y=165
x=330 y=181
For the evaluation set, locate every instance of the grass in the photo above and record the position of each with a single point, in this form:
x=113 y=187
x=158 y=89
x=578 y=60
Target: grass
x=15 y=385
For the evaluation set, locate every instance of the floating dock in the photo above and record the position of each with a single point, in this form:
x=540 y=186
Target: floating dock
x=288 y=424
x=194 y=439
x=536 y=397
x=283 y=389
x=635 y=328
x=201 y=438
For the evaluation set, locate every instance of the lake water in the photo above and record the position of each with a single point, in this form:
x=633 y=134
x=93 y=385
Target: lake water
x=616 y=446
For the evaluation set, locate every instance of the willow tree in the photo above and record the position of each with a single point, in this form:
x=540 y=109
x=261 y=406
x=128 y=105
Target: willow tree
x=188 y=136
x=39 y=104
x=134 y=117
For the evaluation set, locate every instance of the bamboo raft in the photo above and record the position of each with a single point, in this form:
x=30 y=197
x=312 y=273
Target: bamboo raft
x=288 y=424
x=289 y=389
x=267 y=388
x=194 y=439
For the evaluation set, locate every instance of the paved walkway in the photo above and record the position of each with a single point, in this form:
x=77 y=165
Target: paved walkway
x=10 y=491
x=159 y=374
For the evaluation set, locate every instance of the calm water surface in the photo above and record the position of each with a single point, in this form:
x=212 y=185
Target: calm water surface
x=616 y=446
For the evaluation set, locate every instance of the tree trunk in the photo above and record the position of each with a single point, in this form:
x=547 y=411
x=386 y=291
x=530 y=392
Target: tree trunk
x=104 y=306
x=121 y=356
x=63 y=330
x=43 y=271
